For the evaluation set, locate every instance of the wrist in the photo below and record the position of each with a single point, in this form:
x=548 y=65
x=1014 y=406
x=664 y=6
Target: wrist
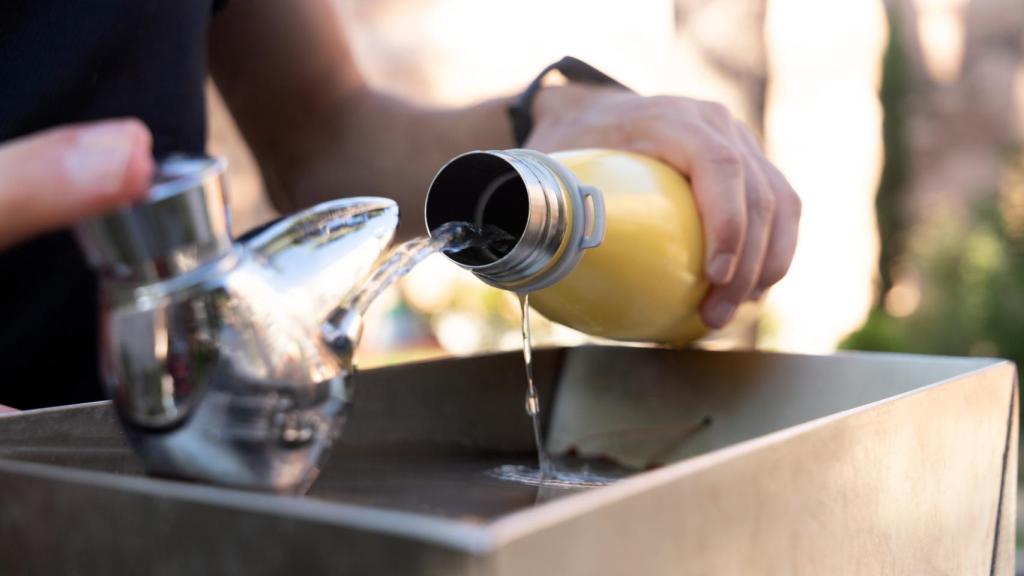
x=554 y=103
x=566 y=70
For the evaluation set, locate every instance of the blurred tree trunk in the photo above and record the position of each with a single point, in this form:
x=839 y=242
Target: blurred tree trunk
x=952 y=119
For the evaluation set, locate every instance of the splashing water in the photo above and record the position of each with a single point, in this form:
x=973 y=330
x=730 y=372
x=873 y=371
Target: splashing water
x=554 y=477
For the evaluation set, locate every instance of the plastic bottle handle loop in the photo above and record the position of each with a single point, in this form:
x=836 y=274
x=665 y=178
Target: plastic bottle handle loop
x=593 y=217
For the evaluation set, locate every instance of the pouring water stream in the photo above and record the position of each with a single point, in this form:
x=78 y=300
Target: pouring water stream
x=455 y=237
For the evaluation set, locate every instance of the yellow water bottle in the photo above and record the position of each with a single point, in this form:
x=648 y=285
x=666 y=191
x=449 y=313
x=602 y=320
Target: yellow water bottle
x=606 y=242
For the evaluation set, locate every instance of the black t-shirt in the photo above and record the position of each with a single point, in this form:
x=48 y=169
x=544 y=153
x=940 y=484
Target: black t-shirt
x=65 y=61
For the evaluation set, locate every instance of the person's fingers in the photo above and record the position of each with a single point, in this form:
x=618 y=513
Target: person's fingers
x=703 y=142
x=52 y=178
x=715 y=168
x=786 y=218
x=721 y=303
x=785 y=228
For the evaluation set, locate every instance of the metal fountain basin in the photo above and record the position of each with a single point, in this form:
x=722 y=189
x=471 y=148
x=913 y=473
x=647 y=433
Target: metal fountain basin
x=748 y=463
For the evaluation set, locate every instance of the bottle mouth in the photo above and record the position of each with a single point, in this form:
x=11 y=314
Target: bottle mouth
x=551 y=217
x=486 y=190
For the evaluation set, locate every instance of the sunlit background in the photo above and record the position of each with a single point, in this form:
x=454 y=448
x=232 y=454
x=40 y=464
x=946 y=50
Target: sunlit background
x=803 y=74
x=808 y=77
x=899 y=122
x=812 y=78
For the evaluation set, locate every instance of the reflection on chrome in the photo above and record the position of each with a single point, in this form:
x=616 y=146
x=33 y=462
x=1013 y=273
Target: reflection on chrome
x=213 y=349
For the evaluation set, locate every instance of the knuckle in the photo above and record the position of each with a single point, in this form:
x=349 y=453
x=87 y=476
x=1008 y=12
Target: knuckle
x=718 y=112
x=760 y=202
x=661 y=108
x=773 y=271
x=729 y=231
x=791 y=200
x=743 y=281
x=688 y=113
x=723 y=156
x=786 y=198
x=664 y=100
x=796 y=203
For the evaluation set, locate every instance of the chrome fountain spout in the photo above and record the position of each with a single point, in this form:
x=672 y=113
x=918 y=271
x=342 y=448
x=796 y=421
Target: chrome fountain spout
x=231 y=361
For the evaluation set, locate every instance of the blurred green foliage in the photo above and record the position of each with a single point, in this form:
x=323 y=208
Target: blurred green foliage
x=968 y=283
x=951 y=283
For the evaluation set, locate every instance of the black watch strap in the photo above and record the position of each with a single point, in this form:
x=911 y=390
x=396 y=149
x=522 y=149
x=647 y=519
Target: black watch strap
x=574 y=70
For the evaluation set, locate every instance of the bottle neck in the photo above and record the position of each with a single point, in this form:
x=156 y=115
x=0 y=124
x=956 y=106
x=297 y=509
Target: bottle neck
x=527 y=195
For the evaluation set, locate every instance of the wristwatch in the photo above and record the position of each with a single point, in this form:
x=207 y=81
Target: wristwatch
x=520 y=111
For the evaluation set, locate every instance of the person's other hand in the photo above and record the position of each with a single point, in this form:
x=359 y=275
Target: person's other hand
x=749 y=211
x=50 y=179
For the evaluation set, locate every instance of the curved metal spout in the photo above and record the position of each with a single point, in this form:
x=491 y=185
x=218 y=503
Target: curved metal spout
x=323 y=255
x=212 y=349
x=327 y=251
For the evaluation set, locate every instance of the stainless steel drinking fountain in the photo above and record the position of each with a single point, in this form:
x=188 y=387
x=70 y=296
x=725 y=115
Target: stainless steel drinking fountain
x=230 y=361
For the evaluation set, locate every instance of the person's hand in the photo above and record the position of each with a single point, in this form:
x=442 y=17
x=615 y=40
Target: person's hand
x=749 y=211
x=52 y=178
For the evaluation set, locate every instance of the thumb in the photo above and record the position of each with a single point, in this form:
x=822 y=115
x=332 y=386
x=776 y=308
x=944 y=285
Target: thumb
x=50 y=179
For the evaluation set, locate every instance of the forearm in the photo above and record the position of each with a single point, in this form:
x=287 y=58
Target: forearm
x=370 y=143
x=317 y=130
